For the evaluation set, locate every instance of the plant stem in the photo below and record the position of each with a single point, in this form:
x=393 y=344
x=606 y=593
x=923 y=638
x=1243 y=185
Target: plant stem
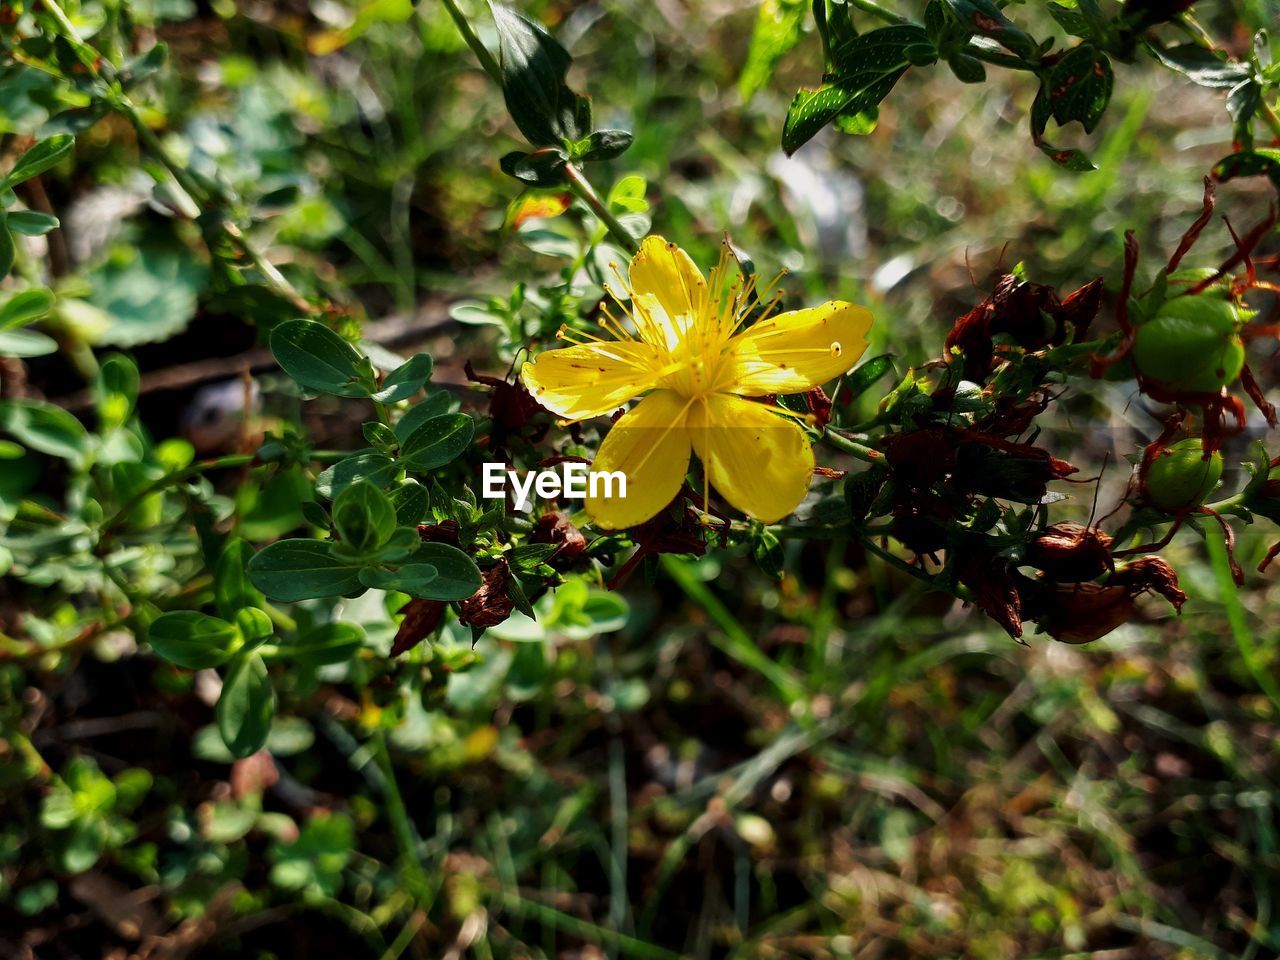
x=168 y=480
x=999 y=59
x=1269 y=118
x=1235 y=619
x=873 y=8
x=199 y=196
x=578 y=183
x=401 y=826
x=587 y=194
x=737 y=643
x=482 y=53
x=852 y=447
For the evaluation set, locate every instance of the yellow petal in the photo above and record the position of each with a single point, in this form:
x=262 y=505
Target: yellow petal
x=797 y=351
x=758 y=461
x=664 y=270
x=592 y=379
x=650 y=446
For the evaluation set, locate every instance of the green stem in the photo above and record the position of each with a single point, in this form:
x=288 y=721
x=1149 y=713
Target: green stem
x=839 y=441
x=736 y=643
x=482 y=53
x=995 y=57
x=1236 y=619
x=64 y=23
x=820 y=19
x=168 y=480
x=873 y=8
x=401 y=826
x=1269 y=118
x=587 y=194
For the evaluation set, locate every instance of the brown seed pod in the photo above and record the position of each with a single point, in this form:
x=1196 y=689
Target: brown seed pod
x=1070 y=552
x=490 y=605
x=1083 y=612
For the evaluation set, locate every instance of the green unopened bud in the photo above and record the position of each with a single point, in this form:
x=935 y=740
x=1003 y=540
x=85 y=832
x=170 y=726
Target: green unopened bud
x=1180 y=477
x=1192 y=344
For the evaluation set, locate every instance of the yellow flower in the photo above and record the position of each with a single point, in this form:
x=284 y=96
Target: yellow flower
x=695 y=362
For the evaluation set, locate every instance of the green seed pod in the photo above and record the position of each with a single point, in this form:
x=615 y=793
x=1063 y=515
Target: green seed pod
x=1180 y=478
x=1192 y=344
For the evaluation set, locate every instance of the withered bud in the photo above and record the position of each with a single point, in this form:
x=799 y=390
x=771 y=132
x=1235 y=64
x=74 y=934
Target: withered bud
x=511 y=406
x=1082 y=612
x=820 y=406
x=1012 y=418
x=1030 y=313
x=446 y=532
x=920 y=458
x=556 y=527
x=421 y=618
x=490 y=605
x=994 y=585
x=1070 y=552
x=1153 y=575
x=253 y=775
x=1010 y=471
x=1081 y=307
x=921 y=525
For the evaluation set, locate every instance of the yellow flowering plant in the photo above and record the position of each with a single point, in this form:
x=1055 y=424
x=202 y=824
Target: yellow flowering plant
x=686 y=345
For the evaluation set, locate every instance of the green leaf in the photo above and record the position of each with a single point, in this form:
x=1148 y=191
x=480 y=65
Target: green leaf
x=364 y=517
x=544 y=168
x=193 y=640
x=457 y=576
x=45 y=154
x=246 y=706
x=32 y=223
x=1208 y=68
x=26 y=343
x=860 y=380
x=149 y=293
x=377 y=468
x=984 y=17
x=83 y=846
x=232 y=590
x=779 y=27
x=437 y=442
x=22 y=308
x=436 y=571
x=533 y=81
x=435 y=405
x=860 y=124
x=1070 y=158
x=318 y=359
x=254 y=626
x=7 y=249
x=380 y=436
x=604 y=145
x=411 y=578
x=292 y=570
x=44 y=427
x=405 y=380
x=1072 y=21
x=327 y=643
x=410 y=500
x=1263 y=162
x=966 y=68
x=1079 y=86
x=117 y=390
x=867 y=68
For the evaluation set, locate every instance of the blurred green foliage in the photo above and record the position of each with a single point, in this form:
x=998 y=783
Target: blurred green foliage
x=806 y=755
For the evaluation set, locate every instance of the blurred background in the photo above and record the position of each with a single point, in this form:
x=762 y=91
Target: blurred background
x=617 y=783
